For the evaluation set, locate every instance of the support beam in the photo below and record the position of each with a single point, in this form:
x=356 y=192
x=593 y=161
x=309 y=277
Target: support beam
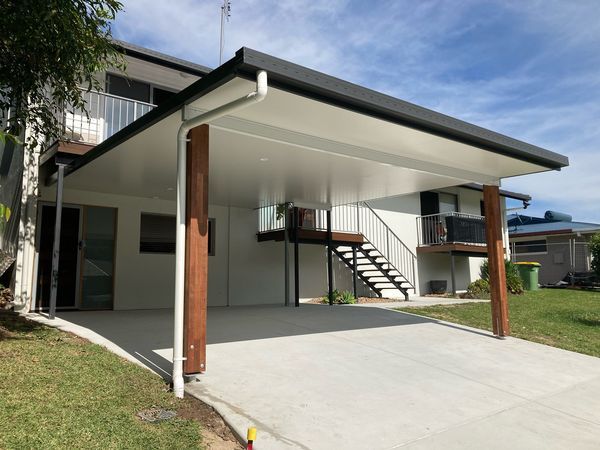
x=354 y=272
x=56 y=244
x=497 y=276
x=286 y=243
x=196 y=251
x=296 y=259
x=453 y=272
x=329 y=259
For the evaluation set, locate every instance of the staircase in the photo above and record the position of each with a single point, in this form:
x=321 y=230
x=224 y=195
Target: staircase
x=383 y=261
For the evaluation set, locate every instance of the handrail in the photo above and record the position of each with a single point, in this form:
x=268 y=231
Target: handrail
x=397 y=254
x=358 y=218
x=118 y=97
x=391 y=231
x=451 y=228
x=103 y=116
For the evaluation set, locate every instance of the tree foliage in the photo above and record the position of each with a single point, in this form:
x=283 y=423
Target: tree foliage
x=594 y=245
x=48 y=50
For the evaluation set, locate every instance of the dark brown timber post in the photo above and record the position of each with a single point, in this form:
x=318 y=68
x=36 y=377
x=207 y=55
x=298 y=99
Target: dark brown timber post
x=495 y=248
x=196 y=251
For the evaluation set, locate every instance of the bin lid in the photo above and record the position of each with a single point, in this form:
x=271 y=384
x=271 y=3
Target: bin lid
x=528 y=263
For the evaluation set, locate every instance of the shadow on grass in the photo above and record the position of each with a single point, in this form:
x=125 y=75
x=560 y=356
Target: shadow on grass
x=588 y=319
x=14 y=326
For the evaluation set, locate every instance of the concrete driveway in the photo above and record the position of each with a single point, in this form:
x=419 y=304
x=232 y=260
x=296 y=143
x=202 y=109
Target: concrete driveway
x=369 y=378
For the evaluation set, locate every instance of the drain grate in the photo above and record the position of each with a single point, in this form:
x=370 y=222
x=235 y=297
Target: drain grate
x=155 y=414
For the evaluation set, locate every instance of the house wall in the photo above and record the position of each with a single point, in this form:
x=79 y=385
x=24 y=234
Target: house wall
x=400 y=214
x=243 y=271
x=560 y=258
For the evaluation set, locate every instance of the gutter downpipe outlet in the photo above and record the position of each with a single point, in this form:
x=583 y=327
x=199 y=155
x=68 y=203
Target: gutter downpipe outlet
x=253 y=97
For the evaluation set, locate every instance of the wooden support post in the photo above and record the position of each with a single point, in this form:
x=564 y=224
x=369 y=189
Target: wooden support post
x=329 y=259
x=295 y=218
x=354 y=272
x=497 y=276
x=196 y=252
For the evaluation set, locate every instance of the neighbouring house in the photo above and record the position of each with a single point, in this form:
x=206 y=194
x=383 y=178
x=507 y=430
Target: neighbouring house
x=558 y=243
x=295 y=183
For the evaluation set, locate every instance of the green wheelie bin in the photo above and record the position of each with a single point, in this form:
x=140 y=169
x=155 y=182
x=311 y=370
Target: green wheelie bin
x=529 y=273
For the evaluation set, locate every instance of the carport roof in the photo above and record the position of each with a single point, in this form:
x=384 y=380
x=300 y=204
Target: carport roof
x=309 y=83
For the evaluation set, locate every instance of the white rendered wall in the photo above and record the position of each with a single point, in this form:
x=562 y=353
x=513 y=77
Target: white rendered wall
x=242 y=271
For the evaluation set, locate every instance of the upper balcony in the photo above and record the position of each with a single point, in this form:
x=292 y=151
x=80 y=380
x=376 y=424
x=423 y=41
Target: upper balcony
x=451 y=232
x=106 y=115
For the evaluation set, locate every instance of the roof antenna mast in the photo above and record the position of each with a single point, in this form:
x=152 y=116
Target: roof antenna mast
x=225 y=15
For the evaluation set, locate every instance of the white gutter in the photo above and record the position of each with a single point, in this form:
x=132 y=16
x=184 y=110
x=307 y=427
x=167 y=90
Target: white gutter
x=253 y=97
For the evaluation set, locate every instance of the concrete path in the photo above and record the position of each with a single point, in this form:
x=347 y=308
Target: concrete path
x=369 y=378
x=417 y=302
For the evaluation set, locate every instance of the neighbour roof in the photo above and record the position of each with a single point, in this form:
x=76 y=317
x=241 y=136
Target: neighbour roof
x=503 y=193
x=161 y=59
x=522 y=225
x=317 y=86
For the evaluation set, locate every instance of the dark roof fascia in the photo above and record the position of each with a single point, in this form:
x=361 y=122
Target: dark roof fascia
x=503 y=193
x=316 y=85
x=204 y=85
x=161 y=59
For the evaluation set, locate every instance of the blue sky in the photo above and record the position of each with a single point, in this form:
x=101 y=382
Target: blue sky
x=528 y=69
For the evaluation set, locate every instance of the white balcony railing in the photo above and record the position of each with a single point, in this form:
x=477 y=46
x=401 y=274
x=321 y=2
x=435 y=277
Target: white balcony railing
x=106 y=115
x=451 y=228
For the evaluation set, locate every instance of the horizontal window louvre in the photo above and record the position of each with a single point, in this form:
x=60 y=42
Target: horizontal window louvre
x=537 y=246
x=157 y=233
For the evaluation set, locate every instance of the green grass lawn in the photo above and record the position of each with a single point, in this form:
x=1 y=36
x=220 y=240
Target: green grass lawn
x=60 y=391
x=566 y=319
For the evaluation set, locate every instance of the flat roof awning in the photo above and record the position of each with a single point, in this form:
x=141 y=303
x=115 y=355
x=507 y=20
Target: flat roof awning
x=314 y=138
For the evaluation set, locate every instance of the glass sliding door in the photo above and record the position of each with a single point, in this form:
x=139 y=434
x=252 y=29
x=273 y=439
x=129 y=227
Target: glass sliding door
x=68 y=275
x=98 y=256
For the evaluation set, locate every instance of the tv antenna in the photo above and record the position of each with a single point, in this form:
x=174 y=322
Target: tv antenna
x=225 y=15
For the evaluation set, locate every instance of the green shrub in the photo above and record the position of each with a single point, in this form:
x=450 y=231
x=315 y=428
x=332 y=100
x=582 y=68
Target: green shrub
x=347 y=298
x=344 y=297
x=594 y=245
x=478 y=289
x=514 y=284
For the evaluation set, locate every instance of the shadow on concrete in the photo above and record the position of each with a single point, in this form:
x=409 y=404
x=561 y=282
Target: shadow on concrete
x=141 y=333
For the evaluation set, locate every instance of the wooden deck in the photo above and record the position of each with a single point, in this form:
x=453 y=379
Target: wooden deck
x=313 y=237
x=465 y=249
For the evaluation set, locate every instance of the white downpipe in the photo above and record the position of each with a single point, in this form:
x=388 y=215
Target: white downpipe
x=253 y=97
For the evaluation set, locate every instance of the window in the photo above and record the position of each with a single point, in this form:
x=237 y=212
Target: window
x=157 y=234
x=525 y=247
x=124 y=87
x=448 y=202
x=438 y=202
x=159 y=96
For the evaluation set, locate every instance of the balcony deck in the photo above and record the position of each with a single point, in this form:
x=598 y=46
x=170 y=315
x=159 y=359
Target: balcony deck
x=455 y=248
x=306 y=236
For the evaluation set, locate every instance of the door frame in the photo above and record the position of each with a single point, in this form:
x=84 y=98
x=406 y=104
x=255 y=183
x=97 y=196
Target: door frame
x=81 y=259
x=38 y=234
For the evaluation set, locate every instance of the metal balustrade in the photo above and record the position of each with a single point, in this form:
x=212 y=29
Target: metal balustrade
x=104 y=115
x=451 y=228
x=358 y=218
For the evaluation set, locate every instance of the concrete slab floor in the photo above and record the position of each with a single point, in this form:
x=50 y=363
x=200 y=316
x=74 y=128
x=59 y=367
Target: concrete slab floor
x=323 y=377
